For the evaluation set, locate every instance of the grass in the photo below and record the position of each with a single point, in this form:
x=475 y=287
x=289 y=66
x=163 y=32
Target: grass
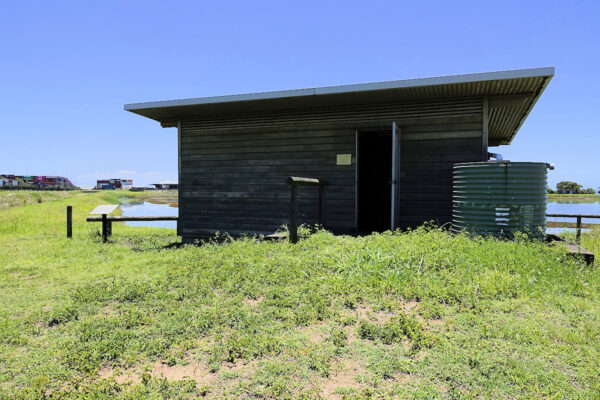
x=585 y=198
x=14 y=198
x=419 y=315
x=589 y=240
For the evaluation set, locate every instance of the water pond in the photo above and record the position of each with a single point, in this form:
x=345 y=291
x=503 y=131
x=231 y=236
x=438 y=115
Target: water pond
x=148 y=209
x=580 y=205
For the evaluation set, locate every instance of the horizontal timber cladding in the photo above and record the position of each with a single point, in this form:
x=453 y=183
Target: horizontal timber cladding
x=233 y=167
x=426 y=177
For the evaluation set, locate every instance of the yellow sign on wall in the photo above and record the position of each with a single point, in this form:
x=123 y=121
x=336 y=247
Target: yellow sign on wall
x=344 y=159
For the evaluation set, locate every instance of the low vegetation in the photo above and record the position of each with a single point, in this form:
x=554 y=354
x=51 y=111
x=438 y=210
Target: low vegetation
x=14 y=198
x=422 y=314
x=590 y=240
x=586 y=198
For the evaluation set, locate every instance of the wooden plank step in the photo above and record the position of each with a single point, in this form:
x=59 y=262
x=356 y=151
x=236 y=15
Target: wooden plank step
x=573 y=249
x=577 y=250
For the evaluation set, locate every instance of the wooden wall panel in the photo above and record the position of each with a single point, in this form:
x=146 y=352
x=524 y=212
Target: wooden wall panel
x=426 y=177
x=233 y=167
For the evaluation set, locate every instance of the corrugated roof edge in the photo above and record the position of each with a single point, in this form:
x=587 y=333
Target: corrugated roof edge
x=532 y=104
x=360 y=87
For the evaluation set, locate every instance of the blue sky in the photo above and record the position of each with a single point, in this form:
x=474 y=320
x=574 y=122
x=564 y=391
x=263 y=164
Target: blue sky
x=67 y=69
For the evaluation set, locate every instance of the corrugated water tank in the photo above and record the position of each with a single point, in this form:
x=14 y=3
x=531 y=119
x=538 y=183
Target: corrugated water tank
x=500 y=198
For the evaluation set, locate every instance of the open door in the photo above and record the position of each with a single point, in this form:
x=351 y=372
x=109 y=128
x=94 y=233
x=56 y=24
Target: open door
x=395 y=206
x=377 y=171
x=374 y=177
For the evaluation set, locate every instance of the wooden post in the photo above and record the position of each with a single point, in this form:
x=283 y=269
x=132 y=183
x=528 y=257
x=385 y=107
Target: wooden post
x=294 y=182
x=69 y=221
x=321 y=205
x=578 y=234
x=293 y=228
x=109 y=226
x=104 y=228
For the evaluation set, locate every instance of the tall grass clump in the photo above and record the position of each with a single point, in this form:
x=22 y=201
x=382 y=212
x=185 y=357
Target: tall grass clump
x=591 y=241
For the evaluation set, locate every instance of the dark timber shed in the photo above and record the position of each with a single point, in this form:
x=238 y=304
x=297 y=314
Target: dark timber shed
x=235 y=152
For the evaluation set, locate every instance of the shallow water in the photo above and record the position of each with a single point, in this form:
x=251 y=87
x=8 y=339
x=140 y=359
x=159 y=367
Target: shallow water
x=573 y=206
x=147 y=209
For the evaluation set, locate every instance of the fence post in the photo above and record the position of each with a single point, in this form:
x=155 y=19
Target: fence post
x=294 y=213
x=578 y=234
x=104 y=228
x=321 y=205
x=69 y=221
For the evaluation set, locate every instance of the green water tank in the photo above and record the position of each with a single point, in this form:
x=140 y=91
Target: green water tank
x=500 y=198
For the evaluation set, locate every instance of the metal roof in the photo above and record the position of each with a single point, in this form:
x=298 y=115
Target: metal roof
x=512 y=96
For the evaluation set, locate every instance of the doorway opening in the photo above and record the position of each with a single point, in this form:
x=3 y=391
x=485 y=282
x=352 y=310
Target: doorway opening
x=374 y=181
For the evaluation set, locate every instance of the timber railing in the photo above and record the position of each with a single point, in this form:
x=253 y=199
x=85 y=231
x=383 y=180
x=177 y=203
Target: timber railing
x=108 y=220
x=578 y=224
x=295 y=182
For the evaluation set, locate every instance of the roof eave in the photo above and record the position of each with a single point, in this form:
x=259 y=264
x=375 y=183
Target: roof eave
x=531 y=105
x=361 y=87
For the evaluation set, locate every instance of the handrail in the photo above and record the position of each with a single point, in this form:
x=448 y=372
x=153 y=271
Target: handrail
x=107 y=221
x=578 y=217
x=574 y=215
x=121 y=218
x=294 y=182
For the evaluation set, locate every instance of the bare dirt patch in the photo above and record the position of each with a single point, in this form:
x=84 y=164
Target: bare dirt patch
x=367 y=312
x=253 y=302
x=439 y=324
x=350 y=333
x=410 y=307
x=108 y=310
x=344 y=377
x=196 y=371
x=120 y=376
x=316 y=333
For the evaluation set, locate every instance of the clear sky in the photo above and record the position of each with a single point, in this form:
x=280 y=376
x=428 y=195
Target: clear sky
x=68 y=67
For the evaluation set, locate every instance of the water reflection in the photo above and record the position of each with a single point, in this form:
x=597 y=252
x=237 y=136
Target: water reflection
x=147 y=209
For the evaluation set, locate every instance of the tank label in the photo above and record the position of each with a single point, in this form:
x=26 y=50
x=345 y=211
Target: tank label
x=502 y=216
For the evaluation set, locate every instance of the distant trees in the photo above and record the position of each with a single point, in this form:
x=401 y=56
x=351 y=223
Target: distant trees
x=568 y=187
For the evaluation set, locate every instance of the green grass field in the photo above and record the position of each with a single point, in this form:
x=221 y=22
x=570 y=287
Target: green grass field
x=417 y=315
x=15 y=198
